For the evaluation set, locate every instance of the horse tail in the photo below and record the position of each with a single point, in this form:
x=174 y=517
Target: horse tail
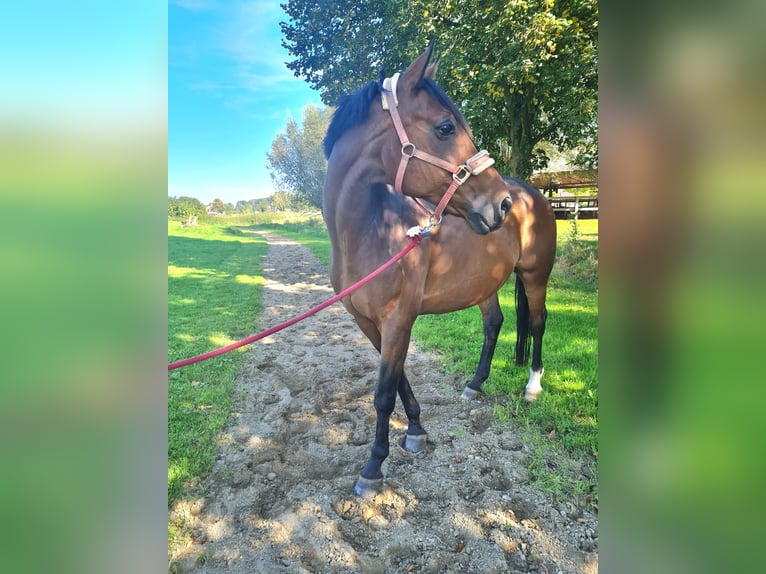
x=523 y=342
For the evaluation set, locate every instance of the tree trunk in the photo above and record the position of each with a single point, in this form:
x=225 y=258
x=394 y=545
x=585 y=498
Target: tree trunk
x=522 y=139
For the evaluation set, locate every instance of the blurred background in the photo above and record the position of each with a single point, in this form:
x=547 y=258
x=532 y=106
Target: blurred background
x=682 y=118
x=83 y=181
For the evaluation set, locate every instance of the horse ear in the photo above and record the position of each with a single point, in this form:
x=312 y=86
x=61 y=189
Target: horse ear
x=419 y=68
x=432 y=68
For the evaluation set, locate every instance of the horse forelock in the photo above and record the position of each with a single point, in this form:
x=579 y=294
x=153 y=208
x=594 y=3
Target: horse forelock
x=353 y=110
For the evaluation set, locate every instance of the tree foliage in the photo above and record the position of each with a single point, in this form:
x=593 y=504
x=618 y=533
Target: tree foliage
x=185 y=207
x=249 y=206
x=296 y=162
x=244 y=207
x=523 y=71
x=218 y=206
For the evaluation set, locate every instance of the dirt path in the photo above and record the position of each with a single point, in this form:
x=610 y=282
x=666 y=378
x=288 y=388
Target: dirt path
x=279 y=498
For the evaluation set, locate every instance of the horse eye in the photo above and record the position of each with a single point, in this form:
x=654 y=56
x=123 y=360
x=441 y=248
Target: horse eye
x=445 y=129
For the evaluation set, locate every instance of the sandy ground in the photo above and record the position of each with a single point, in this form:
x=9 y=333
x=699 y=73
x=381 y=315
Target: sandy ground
x=279 y=498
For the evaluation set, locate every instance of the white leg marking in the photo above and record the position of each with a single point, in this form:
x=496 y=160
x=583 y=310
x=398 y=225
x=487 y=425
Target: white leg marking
x=534 y=388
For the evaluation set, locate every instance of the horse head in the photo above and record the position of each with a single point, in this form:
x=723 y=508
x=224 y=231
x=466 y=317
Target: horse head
x=449 y=172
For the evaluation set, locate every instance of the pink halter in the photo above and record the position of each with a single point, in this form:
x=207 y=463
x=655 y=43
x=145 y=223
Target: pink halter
x=460 y=173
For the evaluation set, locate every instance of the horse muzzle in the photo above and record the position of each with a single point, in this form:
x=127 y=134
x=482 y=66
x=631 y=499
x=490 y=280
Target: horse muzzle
x=490 y=216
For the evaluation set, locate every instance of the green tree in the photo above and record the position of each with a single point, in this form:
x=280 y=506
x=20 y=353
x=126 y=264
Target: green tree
x=280 y=201
x=296 y=162
x=523 y=72
x=244 y=206
x=261 y=205
x=219 y=206
x=183 y=207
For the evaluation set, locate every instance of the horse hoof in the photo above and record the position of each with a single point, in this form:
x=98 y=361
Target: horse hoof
x=367 y=487
x=414 y=442
x=531 y=395
x=470 y=394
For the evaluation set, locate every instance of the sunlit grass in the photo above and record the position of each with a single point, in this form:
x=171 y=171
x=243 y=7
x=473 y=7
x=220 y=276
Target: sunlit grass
x=249 y=279
x=192 y=272
x=214 y=280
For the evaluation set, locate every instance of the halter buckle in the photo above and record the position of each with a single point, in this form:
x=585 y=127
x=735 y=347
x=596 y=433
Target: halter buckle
x=462 y=174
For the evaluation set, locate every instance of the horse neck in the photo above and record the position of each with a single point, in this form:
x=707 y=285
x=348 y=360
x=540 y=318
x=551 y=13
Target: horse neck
x=366 y=155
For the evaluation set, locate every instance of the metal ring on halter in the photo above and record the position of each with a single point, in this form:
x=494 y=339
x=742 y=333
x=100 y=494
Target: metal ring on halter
x=461 y=177
x=406 y=145
x=432 y=223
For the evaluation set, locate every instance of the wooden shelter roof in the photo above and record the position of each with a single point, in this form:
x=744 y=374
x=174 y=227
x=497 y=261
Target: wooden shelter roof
x=565 y=179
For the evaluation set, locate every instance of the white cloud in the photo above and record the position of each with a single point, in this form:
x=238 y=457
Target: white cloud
x=252 y=38
x=242 y=52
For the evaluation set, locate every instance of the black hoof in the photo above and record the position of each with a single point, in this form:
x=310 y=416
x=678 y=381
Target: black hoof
x=366 y=487
x=414 y=442
x=470 y=394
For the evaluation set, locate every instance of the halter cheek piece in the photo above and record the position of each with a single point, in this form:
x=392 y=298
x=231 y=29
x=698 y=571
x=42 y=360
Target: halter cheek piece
x=474 y=165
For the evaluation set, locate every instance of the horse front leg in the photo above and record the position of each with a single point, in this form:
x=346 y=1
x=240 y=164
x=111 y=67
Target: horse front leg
x=492 y=319
x=394 y=344
x=416 y=437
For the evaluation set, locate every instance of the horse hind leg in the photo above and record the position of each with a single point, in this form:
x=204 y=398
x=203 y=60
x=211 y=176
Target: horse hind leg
x=531 y=298
x=492 y=319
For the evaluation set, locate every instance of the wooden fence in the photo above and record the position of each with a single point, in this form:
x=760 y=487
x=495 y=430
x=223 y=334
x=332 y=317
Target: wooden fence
x=582 y=207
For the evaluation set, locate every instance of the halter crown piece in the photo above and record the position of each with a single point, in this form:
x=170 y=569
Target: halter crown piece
x=474 y=165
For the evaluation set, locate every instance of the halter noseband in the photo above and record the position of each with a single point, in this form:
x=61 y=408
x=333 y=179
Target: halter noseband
x=460 y=173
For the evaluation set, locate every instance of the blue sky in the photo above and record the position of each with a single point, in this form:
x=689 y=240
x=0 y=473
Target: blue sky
x=229 y=94
x=83 y=65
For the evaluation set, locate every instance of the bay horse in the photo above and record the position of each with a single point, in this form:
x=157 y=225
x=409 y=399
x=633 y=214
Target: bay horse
x=484 y=227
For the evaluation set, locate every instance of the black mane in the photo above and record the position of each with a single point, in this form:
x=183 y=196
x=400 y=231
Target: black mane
x=352 y=111
x=354 y=108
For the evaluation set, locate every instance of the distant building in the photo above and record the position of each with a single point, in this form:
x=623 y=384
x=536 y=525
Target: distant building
x=566 y=204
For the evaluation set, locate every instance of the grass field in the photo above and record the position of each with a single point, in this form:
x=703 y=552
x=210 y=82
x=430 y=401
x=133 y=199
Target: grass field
x=213 y=299
x=213 y=295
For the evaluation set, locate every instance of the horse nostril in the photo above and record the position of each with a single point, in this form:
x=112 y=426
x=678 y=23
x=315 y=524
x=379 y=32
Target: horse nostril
x=505 y=206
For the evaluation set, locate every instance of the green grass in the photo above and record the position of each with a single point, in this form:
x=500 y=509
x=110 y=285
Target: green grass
x=214 y=280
